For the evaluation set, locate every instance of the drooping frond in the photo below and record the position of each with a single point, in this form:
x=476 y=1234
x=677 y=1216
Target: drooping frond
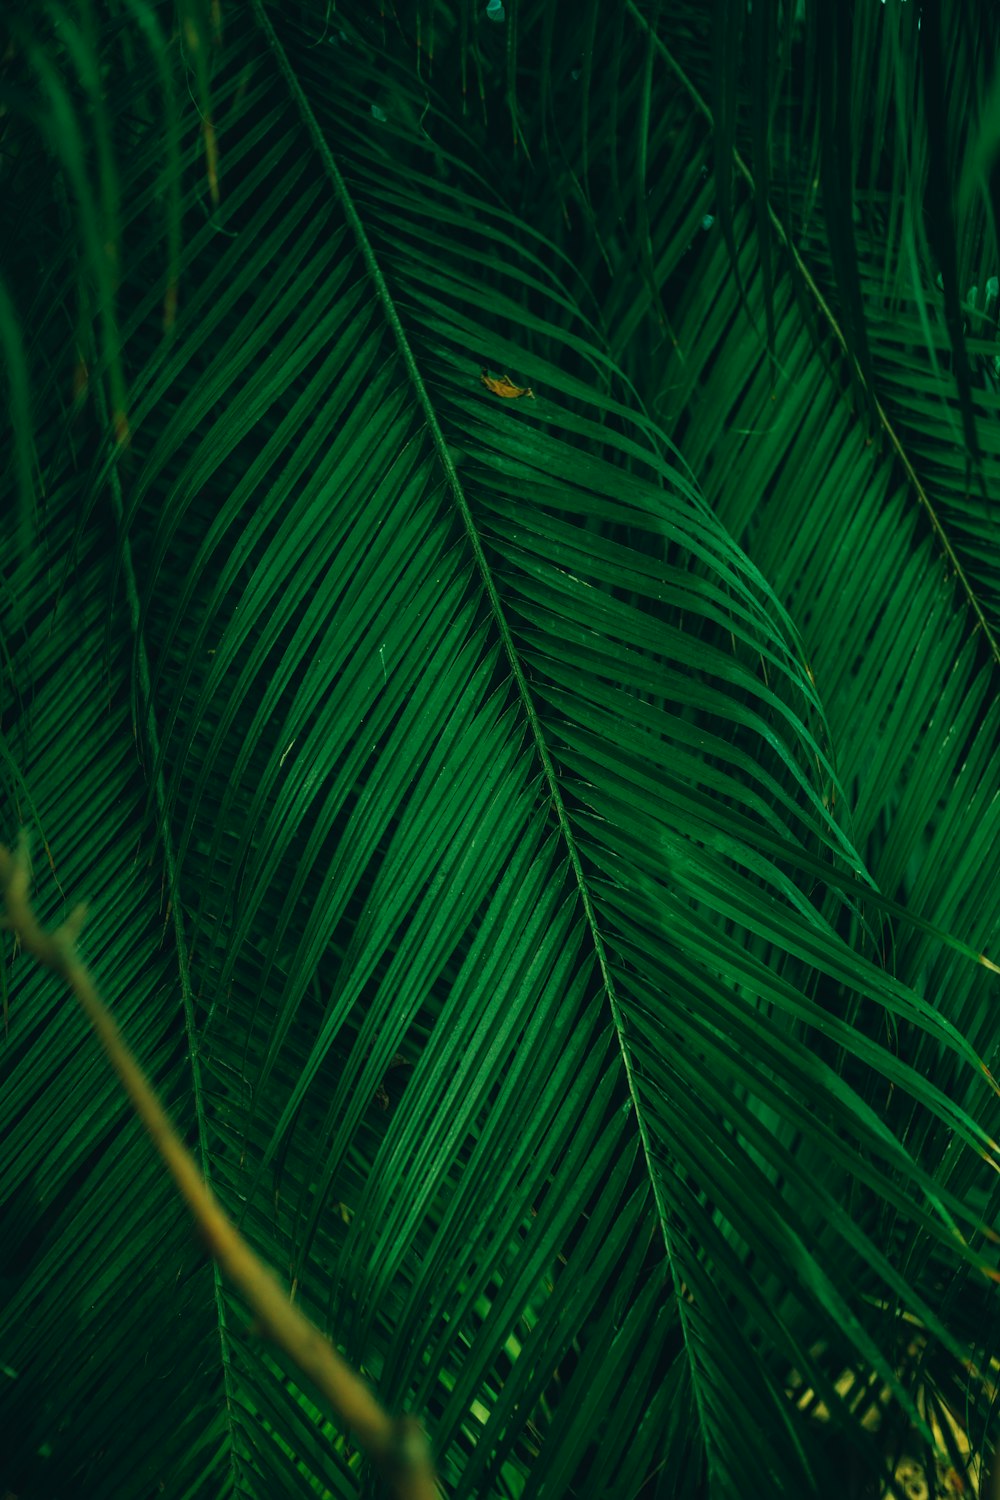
x=542 y=850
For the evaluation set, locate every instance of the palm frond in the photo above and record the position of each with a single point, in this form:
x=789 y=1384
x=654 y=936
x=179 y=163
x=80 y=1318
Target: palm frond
x=541 y=850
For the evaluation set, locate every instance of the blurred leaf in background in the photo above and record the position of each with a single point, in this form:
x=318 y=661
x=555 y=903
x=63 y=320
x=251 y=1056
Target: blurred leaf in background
x=543 y=852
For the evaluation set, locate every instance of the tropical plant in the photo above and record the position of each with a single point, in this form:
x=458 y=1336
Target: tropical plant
x=542 y=849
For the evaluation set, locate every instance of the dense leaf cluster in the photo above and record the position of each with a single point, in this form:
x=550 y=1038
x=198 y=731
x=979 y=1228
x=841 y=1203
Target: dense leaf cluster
x=544 y=851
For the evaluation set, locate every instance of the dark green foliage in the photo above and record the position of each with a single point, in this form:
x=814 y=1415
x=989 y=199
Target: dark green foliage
x=543 y=851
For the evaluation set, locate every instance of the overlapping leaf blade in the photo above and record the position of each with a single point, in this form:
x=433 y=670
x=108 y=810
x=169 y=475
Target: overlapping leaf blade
x=525 y=863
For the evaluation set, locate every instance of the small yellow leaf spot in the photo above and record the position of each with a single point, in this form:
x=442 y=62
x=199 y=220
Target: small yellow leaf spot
x=502 y=385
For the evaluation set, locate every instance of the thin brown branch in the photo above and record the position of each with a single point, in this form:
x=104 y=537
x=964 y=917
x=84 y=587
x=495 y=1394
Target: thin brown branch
x=396 y=1445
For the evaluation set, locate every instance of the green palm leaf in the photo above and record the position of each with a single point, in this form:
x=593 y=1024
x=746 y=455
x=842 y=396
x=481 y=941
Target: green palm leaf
x=541 y=850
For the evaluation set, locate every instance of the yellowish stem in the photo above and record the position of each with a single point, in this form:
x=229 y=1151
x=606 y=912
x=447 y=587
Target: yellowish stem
x=396 y=1445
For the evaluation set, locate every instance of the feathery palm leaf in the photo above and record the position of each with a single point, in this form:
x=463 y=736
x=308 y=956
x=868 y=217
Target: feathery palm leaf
x=571 y=819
